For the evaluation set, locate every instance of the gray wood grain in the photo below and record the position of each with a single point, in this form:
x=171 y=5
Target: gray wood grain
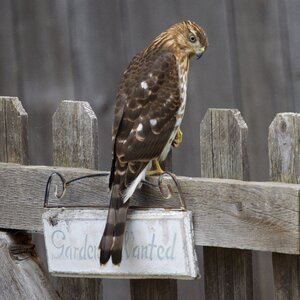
x=223 y=144
x=45 y=72
x=155 y=289
x=22 y=276
x=284 y=148
x=262 y=73
x=284 y=144
x=13 y=131
x=75 y=135
x=8 y=56
x=227 y=213
x=290 y=35
x=75 y=143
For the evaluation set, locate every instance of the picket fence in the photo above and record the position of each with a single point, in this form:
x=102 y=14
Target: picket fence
x=232 y=216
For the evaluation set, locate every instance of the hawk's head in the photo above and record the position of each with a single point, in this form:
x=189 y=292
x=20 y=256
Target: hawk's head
x=190 y=38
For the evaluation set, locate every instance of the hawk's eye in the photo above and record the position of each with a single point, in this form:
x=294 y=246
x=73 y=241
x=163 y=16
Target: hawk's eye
x=192 y=38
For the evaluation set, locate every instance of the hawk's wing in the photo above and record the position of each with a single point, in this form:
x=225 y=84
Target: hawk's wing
x=147 y=102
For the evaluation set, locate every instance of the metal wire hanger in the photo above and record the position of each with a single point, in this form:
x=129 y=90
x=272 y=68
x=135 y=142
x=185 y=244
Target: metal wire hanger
x=165 y=189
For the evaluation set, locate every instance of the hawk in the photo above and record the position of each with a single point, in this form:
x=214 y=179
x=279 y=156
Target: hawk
x=150 y=104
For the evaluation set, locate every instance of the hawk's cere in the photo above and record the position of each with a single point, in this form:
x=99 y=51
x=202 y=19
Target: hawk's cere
x=149 y=108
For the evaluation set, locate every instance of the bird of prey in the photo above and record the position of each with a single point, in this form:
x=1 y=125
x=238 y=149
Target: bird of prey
x=150 y=104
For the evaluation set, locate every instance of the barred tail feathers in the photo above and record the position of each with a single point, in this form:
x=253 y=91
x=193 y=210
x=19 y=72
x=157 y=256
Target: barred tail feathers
x=121 y=216
x=112 y=239
x=107 y=239
x=113 y=235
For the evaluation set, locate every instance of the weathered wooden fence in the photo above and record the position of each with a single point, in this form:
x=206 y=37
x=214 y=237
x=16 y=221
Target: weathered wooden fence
x=231 y=216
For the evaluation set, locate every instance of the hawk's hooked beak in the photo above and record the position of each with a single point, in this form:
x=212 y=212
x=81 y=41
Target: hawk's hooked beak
x=200 y=52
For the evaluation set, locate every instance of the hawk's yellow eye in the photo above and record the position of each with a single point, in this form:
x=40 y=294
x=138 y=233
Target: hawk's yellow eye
x=192 y=38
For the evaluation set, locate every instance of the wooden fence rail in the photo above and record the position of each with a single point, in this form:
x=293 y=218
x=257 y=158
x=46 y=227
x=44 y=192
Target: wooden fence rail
x=228 y=212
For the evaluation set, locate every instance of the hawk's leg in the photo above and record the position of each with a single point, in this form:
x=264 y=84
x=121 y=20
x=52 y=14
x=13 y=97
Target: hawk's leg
x=156 y=168
x=178 y=138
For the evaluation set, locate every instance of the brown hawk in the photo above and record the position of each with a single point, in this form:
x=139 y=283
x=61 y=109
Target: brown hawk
x=149 y=108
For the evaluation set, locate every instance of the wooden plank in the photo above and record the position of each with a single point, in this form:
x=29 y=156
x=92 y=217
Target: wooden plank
x=290 y=35
x=45 y=72
x=17 y=255
x=75 y=132
x=167 y=289
x=227 y=213
x=13 y=131
x=284 y=146
x=21 y=274
x=8 y=55
x=75 y=143
x=223 y=145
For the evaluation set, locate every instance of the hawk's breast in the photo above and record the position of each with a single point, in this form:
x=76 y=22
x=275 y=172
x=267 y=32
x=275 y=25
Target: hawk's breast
x=183 y=87
x=182 y=76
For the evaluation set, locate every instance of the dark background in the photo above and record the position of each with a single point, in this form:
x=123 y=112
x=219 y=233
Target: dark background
x=58 y=49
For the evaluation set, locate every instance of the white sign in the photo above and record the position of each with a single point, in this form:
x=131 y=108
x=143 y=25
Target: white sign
x=157 y=244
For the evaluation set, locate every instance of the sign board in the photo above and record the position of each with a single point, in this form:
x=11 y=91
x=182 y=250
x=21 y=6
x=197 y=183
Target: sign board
x=158 y=244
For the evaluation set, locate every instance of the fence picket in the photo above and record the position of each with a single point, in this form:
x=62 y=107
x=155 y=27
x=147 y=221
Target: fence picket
x=223 y=133
x=14 y=131
x=75 y=135
x=223 y=139
x=284 y=147
x=75 y=143
x=17 y=255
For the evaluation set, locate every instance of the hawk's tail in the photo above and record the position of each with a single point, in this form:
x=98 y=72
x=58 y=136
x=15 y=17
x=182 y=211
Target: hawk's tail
x=113 y=235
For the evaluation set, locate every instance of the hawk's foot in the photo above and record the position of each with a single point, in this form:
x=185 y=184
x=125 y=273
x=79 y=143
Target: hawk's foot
x=178 y=138
x=156 y=168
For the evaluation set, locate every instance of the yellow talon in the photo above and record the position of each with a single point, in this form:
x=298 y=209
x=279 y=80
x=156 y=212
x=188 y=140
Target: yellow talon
x=178 y=138
x=155 y=169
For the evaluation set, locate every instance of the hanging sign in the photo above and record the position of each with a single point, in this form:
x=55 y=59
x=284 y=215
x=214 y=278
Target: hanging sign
x=157 y=244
